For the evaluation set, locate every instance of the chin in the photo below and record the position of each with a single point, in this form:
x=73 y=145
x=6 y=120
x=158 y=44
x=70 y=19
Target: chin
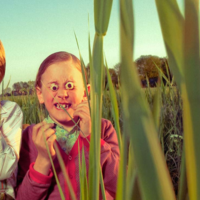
x=66 y=121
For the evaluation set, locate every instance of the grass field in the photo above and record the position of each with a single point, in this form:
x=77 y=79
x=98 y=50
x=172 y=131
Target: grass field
x=170 y=129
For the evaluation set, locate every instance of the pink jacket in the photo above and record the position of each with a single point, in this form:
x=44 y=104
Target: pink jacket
x=31 y=185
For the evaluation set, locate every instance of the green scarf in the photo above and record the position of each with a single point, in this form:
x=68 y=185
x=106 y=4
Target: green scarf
x=65 y=139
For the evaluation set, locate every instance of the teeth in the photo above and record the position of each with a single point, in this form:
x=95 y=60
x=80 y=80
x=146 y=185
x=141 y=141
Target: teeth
x=63 y=105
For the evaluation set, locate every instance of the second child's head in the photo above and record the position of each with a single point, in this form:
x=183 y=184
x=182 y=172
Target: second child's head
x=59 y=81
x=2 y=62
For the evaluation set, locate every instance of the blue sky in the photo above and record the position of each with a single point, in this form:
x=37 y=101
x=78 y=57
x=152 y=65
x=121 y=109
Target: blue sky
x=32 y=30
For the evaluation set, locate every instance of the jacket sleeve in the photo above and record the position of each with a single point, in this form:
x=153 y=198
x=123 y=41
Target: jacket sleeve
x=10 y=140
x=31 y=185
x=109 y=158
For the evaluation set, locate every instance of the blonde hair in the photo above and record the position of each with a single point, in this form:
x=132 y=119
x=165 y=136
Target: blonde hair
x=2 y=61
x=55 y=58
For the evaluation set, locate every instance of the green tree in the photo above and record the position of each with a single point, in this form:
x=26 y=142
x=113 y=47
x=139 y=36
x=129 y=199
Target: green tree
x=17 y=86
x=146 y=66
x=31 y=84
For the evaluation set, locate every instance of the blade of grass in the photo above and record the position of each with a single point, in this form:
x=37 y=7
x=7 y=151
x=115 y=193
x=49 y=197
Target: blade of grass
x=162 y=74
x=82 y=175
x=96 y=107
x=155 y=183
x=133 y=188
x=156 y=108
x=114 y=104
x=188 y=135
x=8 y=83
x=121 y=182
x=102 y=10
x=66 y=177
x=192 y=97
x=182 y=188
x=62 y=165
x=53 y=167
x=83 y=73
x=102 y=184
x=171 y=22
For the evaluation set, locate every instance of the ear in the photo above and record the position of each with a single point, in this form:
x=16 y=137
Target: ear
x=39 y=95
x=85 y=95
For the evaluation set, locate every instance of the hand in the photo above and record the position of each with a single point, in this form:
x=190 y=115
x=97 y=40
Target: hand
x=82 y=111
x=43 y=132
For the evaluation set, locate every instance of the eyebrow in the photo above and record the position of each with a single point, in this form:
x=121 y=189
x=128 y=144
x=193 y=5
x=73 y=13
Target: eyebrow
x=56 y=82
x=52 y=82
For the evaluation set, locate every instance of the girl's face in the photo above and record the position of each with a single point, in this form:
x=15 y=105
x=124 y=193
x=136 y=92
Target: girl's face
x=61 y=83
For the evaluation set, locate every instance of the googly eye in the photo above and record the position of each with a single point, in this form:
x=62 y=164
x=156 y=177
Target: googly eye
x=69 y=85
x=54 y=87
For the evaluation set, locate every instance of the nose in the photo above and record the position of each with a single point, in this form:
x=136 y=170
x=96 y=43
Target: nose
x=62 y=93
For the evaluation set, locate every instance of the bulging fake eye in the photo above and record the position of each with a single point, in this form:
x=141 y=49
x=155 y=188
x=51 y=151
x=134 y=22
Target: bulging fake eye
x=69 y=86
x=54 y=87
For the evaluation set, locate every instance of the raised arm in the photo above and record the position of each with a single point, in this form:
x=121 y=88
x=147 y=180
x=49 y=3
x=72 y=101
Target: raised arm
x=32 y=184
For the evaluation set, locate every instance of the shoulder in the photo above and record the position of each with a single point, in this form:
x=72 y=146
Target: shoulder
x=28 y=130
x=10 y=107
x=106 y=128
x=27 y=145
x=27 y=135
x=109 y=136
x=105 y=123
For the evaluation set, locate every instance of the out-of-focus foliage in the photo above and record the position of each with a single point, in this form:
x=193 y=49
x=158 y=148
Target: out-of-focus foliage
x=147 y=66
x=113 y=73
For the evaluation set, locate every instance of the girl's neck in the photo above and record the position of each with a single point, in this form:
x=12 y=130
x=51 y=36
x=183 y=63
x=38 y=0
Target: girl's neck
x=69 y=125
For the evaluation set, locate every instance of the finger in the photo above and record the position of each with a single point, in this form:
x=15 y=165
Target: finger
x=51 y=139
x=85 y=102
x=45 y=135
x=36 y=128
x=49 y=133
x=82 y=105
x=44 y=128
x=42 y=143
x=50 y=143
x=82 y=114
x=38 y=135
x=83 y=109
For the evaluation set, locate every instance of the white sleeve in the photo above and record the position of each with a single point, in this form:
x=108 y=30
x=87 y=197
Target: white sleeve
x=10 y=140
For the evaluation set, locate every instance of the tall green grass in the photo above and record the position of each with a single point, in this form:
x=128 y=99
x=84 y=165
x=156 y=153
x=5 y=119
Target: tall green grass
x=169 y=131
x=186 y=62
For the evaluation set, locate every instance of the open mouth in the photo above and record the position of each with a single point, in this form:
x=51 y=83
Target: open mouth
x=62 y=105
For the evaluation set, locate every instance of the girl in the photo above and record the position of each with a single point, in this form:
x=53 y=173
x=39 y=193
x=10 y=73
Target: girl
x=59 y=84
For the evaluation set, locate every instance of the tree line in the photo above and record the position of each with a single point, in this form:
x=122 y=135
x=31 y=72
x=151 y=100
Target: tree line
x=147 y=67
x=150 y=69
x=20 y=88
